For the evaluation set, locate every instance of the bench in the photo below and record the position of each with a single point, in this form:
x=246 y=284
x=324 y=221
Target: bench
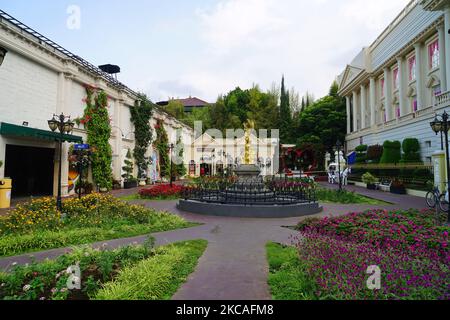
x=385 y=185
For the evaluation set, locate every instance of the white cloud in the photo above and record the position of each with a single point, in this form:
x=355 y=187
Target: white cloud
x=256 y=41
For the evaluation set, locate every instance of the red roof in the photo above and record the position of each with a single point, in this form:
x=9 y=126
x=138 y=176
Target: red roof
x=188 y=102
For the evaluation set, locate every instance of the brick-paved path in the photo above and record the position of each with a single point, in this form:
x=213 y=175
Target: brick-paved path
x=234 y=265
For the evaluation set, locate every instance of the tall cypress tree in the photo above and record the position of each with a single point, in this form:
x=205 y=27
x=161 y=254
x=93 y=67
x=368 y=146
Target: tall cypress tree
x=285 y=115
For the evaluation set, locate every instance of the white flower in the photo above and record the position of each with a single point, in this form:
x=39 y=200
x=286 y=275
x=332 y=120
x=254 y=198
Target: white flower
x=26 y=288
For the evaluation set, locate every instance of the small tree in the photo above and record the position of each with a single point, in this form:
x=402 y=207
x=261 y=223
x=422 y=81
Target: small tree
x=128 y=168
x=180 y=168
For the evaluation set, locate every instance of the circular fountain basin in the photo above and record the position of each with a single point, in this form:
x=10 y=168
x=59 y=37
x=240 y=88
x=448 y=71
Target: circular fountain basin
x=250 y=211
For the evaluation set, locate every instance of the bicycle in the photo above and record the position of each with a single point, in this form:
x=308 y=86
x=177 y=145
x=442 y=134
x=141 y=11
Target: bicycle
x=435 y=197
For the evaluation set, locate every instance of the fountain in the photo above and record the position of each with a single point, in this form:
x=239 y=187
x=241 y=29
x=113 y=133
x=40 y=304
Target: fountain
x=249 y=195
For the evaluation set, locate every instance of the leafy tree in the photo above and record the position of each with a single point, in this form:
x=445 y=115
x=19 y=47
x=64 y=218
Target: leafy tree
x=180 y=169
x=176 y=109
x=285 y=115
x=325 y=119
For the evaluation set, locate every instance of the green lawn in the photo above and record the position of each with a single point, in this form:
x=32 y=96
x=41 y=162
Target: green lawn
x=132 y=273
x=345 y=197
x=287 y=277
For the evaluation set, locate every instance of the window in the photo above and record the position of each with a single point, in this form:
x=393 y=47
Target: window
x=433 y=54
x=414 y=104
x=437 y=90
x=396 y=78
x=412 y=68
x=382 y=87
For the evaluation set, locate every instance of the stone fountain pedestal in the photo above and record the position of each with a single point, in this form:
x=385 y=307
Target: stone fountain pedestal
x=247 y=172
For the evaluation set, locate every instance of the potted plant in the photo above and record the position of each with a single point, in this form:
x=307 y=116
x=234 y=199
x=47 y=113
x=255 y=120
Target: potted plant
x=117 y=184
x=370 y=181
x=397 y=187
x=129 y=181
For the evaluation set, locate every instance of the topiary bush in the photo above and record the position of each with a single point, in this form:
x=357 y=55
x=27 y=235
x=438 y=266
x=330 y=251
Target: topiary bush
x=411 y=151
x=374 y=153
x=361 y=153
x=391 y=152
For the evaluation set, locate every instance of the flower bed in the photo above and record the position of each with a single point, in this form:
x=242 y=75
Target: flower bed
x=162 y=191
x=99 y=270
x=410 y=250
x=38 y=225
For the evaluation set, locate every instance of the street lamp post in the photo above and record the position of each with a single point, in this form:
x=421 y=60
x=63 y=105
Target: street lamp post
x=64 y=125
x=338 y=147
x=442 y=125
x=171 y=147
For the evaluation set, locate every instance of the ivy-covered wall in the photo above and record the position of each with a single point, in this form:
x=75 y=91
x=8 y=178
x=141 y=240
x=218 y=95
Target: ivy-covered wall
x=98 y=127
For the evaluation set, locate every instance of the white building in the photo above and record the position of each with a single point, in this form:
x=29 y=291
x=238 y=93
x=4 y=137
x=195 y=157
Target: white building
x=395 y=86
x=38 y=78
x=211 y=155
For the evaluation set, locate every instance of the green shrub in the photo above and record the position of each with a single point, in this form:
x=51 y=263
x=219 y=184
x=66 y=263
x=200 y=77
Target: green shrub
x=368 y=178
x=374 y=153
x=411 y=151
x=361 y=153
x=391 y=152
x=157 y=278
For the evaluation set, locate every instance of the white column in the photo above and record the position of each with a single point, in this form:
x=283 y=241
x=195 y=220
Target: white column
x=419 y=76
x=447 y=44
x=117 y=157
x=355 y=112
x=442 y=58
x=388 y=94
x=402 y=86
x=349 y=124
x=363 y=107
x=372 y=101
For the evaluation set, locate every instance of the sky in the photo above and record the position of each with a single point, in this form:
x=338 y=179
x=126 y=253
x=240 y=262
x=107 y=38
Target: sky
x=205 y=48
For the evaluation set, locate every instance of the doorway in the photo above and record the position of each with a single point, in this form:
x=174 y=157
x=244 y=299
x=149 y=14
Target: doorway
x=31 y=170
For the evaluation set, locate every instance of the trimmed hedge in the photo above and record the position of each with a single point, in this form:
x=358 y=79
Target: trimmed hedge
x=411 y=151
x=391 y=152
x=374 y=153
x=361 y=155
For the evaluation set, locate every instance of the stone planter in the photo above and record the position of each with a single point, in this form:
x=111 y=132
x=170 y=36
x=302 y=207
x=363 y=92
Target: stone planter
x=372 y=186
x=142 y=183
x=130 y=184
x=398 y=190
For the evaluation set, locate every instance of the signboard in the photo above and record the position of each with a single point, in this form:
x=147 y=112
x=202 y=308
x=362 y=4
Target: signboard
x=79 y=147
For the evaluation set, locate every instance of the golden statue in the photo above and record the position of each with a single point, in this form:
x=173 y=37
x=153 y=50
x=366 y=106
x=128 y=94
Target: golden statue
x=249 y=127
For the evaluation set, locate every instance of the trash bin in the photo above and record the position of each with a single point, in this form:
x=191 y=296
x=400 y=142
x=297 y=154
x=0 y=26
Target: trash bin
x=5 y=193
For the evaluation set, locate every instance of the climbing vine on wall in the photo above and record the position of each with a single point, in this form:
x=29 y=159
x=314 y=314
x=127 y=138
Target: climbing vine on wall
x=161 y=144
x=141 y=114
x=98 y=127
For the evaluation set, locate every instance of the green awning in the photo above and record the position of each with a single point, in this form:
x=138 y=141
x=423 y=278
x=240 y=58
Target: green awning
x=13 y=130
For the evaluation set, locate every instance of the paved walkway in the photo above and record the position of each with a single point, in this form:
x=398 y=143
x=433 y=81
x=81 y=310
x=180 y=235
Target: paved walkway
x=234 y=265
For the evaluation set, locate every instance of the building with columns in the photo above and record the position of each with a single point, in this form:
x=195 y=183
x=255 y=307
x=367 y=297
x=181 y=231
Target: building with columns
x=394 y=87
x=39 y=78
